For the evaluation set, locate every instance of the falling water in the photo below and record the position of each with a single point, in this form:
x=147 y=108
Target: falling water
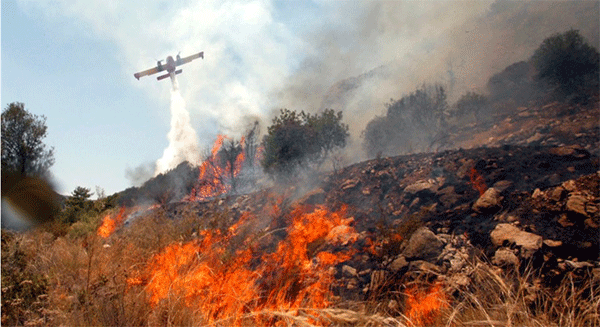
x=183 y=142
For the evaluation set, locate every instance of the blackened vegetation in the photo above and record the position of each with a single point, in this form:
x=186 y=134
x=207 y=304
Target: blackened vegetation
x=392 y=189
x=164 y=188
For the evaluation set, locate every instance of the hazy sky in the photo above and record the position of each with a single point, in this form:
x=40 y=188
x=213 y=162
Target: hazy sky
x=73 y=61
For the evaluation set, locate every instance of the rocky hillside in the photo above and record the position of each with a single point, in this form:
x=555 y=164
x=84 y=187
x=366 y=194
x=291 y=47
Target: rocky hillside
x=524 y=193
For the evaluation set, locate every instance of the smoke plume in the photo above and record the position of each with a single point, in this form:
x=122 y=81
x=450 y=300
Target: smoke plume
x=183 y=141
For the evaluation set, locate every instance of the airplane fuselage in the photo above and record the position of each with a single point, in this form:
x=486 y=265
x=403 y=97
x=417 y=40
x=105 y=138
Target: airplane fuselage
x=170 y=66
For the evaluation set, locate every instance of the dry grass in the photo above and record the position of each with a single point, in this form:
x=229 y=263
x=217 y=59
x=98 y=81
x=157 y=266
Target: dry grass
x=81 y=280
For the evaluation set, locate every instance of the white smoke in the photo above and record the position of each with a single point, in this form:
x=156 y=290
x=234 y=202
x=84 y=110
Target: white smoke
x=183 y=141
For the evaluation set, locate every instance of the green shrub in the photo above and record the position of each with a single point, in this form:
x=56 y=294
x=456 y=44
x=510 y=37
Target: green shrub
x=302 y=140
x=567 y=61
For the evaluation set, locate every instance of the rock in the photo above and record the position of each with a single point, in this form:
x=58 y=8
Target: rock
x=569 y=185
x=459 y=281
x=557 y=194
x=505 y=257
x=489 y=202
x=349 y=271
x=528 y=242
x=352 y=284
x=423 y=244
x=552 y=243
x=423 y=266
x=576 y=203
x=398 y=264
x=421 y=186
x=564 y=221
x=316 y=196
x=537 y=193
x=350 y=183
x=502 y=186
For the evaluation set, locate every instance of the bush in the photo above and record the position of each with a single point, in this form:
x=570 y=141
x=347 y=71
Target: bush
x=411 y=123
x=567 y=61
x=302 y=140
x=472 y=103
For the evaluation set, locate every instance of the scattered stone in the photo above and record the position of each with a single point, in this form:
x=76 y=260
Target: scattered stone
x=489 y=202
x=505 y=257
x=398 y=264
x=576 y=203
x=552 y=243
x=502 y=186
x=350 y=183
x=421 y=186
x=557 y=194
x=569 y=185
x=423 y=266
x=349 y=271
x=423 y=244
x=528 y=242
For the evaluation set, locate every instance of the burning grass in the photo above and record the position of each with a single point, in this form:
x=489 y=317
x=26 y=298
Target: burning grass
x=165 y=271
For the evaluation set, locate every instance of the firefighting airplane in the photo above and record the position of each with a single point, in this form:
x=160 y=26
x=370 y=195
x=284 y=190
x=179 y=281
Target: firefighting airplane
x=170 y=66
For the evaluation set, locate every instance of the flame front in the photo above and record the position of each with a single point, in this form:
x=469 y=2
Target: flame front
x=215 y=177
x=424 y=307
x=110 y=224
x=241 y=285
x=477 y=181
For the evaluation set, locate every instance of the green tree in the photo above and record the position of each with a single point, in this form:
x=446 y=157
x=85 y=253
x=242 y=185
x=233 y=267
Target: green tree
x=566 y=60
x=302 y=140
x=76 y=204
x=23 y=150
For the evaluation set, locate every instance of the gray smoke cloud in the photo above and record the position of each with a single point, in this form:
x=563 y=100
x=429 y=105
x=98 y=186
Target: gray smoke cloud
x=388 y=49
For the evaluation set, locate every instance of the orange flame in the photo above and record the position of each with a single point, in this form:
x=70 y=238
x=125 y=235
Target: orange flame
x=110 y=224
x=220 y=283
x=477 y=181
x=424 y=307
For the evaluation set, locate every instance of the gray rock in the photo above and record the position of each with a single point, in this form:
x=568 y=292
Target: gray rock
x=489 y=202
x=423 y=266
x=505 y=257
x=502 y=186
x=421 y=186
x=398 y=264
x=528 y=242
x=349 y=271
x=423 y=244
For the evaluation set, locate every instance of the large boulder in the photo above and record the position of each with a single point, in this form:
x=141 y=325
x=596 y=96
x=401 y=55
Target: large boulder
x=488 y=202
x=507 y=234
x=424 y=245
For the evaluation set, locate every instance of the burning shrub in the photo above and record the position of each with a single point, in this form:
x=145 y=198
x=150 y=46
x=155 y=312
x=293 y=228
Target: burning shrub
x=566 y=60
x=411 y=123
x=302 y=140
x=234 y=284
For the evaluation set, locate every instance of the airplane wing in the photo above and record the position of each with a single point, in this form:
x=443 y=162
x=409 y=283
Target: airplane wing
x=147 y=72
x=190 y=58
